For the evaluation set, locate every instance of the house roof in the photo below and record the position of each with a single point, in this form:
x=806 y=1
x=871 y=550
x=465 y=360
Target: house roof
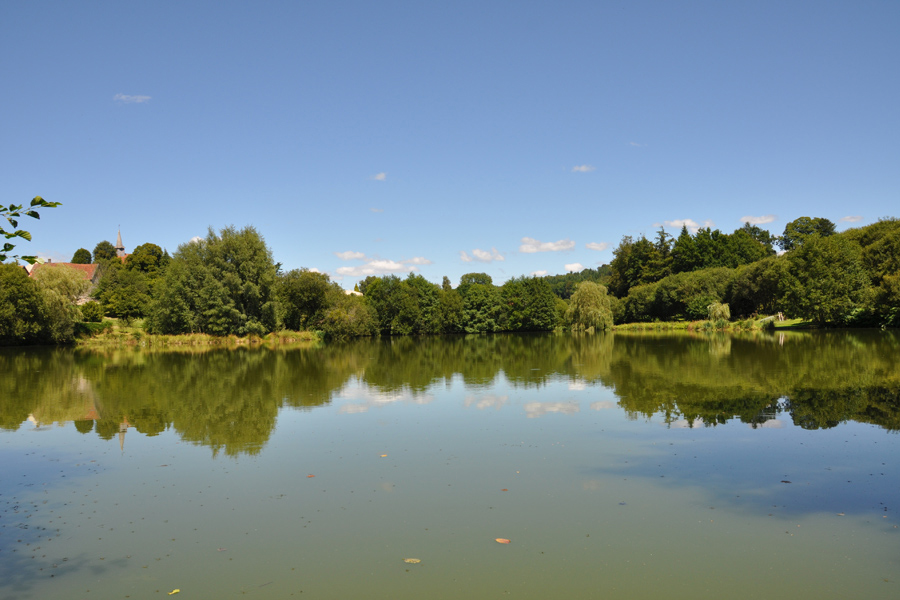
x=87 y=270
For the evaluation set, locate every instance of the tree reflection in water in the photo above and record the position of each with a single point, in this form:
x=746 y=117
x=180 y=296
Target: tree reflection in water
x=229 y=399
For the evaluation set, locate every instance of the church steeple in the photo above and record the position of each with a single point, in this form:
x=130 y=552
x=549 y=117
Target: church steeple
x=120 y=247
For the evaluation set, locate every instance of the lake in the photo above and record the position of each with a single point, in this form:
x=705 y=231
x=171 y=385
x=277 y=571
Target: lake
x=621 y=465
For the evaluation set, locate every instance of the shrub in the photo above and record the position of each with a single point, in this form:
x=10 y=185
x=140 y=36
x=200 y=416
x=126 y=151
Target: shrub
x=717 y=311
x=92 y=312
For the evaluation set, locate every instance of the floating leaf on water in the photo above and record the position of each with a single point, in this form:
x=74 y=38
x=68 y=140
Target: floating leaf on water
x=412 y=561
x=308 y=476
x=785 y=481
x=383 y=455
x=175 y=591
x=504 y=490
x=502 y=541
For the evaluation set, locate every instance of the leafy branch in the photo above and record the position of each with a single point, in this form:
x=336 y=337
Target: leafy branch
x=12 y=214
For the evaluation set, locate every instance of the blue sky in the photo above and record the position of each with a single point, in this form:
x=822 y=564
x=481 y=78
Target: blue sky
x=445 y=138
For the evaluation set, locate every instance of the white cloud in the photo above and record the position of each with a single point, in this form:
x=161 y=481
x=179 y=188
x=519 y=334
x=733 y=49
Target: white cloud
x=380 y=176
x=758 y=220
x=599 y=247
x=377 y=210
x=314 y=270
x=376 y=267
x=851 y=219
x=195 y=240
x=350 y=255
x=131 y=99
x=530 y=245
x=539 y=409
x=691 y=224
x=481 y=255
x=486 y=401
x=538 y=273
x=603 y=405
x=574 y=267
x=583 y=168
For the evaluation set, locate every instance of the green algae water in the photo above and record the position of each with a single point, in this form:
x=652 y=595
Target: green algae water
x=619 y=466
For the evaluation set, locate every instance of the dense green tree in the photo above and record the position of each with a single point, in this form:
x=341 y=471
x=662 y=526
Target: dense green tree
x=363 y=284
x=124 y=293
x=828 y=280
x=223 y=284
x=130 y=298
x=761 y=235
x=685 y=256
x=481 y=308
x=634 y=263
x=687 y=295
x=22 y=311
x=303 y=297
x=12 y=213
x=759 y=288
x=659 y=263
x=104 y=251
x=470 y=279
x=451 y=311
x=741 y=248
x=383 y=295
x=351 y=316
x=528 y=305
x=82 y=256
x=589 y=308
x=420 y=306
x=146 y=258
x=797 y=231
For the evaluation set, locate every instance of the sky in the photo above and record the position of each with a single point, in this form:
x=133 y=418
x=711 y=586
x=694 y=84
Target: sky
x=444 y=138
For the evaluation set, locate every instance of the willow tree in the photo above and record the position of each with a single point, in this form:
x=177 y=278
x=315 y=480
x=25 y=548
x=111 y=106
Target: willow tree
x=589 y=308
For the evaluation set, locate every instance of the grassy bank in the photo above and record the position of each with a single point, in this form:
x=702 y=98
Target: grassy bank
x=719 y=325
x=116 y=333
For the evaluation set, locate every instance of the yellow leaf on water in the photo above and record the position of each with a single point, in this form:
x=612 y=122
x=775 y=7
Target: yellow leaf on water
x=412 y=561
x=383 y=455
x=175 y=591
x=502 y=541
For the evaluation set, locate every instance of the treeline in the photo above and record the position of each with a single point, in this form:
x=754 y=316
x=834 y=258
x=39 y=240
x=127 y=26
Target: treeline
x=849 y=279
x=229 y=284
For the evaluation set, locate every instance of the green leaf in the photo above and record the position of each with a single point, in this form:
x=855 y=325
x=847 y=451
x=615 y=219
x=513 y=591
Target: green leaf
x=30 y=259
x=7 y=247
x=38 y=201
x=33 y=213
x=24 y=234
x=13 y=222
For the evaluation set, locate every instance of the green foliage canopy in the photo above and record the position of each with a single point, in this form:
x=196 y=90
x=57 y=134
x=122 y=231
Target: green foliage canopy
x=224 y=284
x=104 y=251
x=82 y=256
x=797 y=231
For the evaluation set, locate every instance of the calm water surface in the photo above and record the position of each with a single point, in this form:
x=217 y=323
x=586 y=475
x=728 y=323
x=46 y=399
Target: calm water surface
x=619 y=466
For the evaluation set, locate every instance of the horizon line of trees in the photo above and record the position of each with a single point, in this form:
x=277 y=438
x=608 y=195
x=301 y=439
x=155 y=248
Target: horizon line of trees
x=229 y=284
